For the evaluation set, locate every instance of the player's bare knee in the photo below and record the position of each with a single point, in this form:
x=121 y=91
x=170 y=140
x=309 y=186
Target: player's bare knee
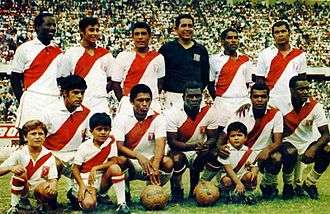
x=226 y=181
x=114 y=170
x=167 y=164
x=276 y=157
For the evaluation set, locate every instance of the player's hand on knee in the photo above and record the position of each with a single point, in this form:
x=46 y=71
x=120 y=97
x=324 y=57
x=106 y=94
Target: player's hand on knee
x=92 y=177
x=240 y=188
x=145 y=164
x=18 y=169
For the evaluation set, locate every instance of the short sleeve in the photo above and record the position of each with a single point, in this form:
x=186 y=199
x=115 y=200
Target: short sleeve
x=79 y=156
x=19 y=60
x=278 y=123
x=213 y=68
x=160 y=127
x=319 y=116
x=13 y=160
x=119 y=128
x=53 y=174
x=261 y=65
x=161 y=66
x=119 y=68
x=109 y=64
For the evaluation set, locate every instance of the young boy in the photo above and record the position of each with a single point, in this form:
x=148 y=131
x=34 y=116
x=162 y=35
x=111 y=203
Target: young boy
x=95 y=167
x=34 y=169
x=241 y=174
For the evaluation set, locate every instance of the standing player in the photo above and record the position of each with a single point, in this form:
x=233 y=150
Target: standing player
x=139 y=66
x=34 y=169
x=278 y=63
x=185 y=60
x=92 y=63
x=34 y=71
x=300 y=115
x=230 y=74
x=141 y=138
x=191 y=134
x=95 y=167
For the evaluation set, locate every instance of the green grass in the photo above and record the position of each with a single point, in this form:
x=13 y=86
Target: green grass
x=278 y=206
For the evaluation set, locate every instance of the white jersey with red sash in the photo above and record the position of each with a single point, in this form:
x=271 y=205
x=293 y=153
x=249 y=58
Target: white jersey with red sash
x=260 y=134
x=65 y=130
x=88 y=155
x=230 y=76
x=278 y=70
x=131 y=68
x=137 y=135
x=38 y=63
x=95 y=69
x=188 y=130
x=299 y=125
x=41 y=169
x=239 y=158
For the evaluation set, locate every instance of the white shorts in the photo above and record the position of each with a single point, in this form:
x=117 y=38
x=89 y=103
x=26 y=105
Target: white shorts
x=32 y=105
x=228 y=106
x=84 y=176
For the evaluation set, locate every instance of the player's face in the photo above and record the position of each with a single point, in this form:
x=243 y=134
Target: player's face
x=47 y=29
x=301 y=91
x=281 y=35
x=231 y=42
x=259 y=99
x=101 y=133
x=192 y=97
x=91 y=34
x=35 y=137
x=185 y=29
x=236 y=139
x=73 y=98
x=142 y=103
x=141 y=38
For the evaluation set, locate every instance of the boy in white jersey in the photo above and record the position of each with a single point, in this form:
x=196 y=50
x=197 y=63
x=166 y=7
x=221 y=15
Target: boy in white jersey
x=34 y=170
x=95 y=167
x=241 y=174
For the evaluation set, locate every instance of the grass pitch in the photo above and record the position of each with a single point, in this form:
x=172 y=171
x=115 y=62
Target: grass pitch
x=278 y=206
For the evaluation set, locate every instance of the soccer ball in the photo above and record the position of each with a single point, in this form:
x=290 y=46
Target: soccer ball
x=153 y=197
x=206 y=193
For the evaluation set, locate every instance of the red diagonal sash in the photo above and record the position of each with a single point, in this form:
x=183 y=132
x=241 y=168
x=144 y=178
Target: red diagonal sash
x=99 y=158
x=243 y=160
x=293 y=119
x=278 y=66
x=134 y=136
x=31 y=169
x=40 y=64
x=259 y=127
x=137 y=70
x=68 y=129
x=86 y=61
x=228 y=73
x=187 y=129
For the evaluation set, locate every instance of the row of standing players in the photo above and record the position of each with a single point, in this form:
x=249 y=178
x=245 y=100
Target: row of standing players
x=176 y=63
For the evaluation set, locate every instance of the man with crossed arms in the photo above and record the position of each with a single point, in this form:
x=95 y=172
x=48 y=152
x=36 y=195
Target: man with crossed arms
x=301 y=113
x=141 y=138
x=191 y=135
x=92 y=63
x=139 y=66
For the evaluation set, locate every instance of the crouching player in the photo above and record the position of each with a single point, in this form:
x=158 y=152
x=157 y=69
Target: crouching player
x=95 y=167
x=34 y=171
x=241 y=174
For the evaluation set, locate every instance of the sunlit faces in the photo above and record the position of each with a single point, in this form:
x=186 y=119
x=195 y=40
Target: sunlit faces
x=35 y=137
x=259 y=99
x=101 y=133
x=185 y=29
x=281 y=35
x=141 y=38
x=141 y=103
x=231 y=42
x=47 y=29
x=73 y=98
x=236 y=139
x=91 y=34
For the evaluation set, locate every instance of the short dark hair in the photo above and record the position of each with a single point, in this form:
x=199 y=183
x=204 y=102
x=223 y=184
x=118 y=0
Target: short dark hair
x=190 y=85
x=183 y=16
x=39 y=20
x=33 y=124
x=224 y=33
x=293 y=81
x=237 y=126
x=72 y=82
x=99 y=119
x=85 y=22
x=143 y=25
x=139 y=88
x=280 y=23
x=259 y=86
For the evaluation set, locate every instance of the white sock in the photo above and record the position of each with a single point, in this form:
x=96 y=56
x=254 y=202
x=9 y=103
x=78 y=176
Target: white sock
x=119 y=186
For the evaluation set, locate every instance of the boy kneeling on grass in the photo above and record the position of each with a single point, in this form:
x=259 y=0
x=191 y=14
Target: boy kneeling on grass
x=95 y=167
x=34 y=171
x=241 y=176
